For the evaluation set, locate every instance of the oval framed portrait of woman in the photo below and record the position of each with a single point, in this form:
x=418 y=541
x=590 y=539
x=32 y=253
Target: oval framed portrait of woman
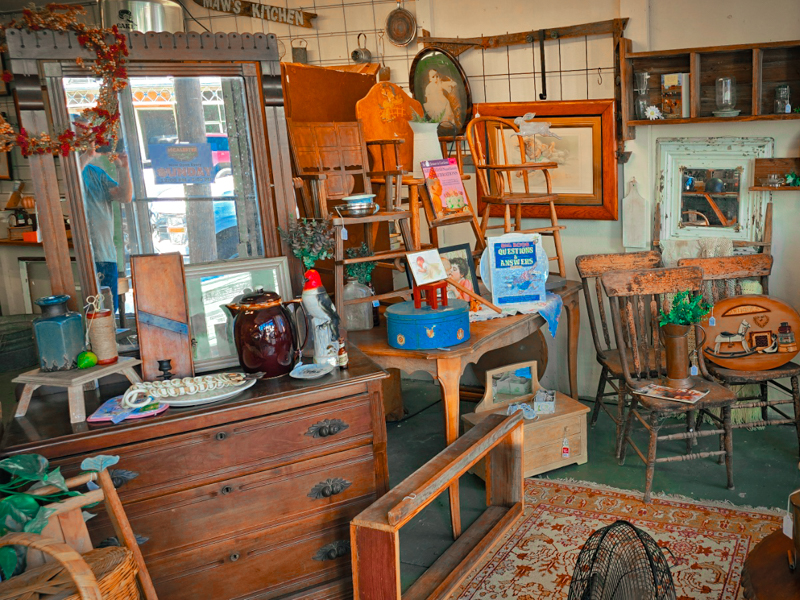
x=439 y=83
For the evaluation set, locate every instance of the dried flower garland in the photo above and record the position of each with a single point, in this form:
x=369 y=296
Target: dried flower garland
x=100 y=123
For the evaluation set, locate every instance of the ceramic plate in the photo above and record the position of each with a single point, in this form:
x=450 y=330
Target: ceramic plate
x=207 y=397
x=311 y=371
x=359 y=198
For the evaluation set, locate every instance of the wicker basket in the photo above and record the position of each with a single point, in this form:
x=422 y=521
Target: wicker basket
x=102 y=574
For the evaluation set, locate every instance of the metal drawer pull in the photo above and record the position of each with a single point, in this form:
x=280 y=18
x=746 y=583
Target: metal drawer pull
x=326 y=428
x=234 y=557
x=227 y=489
x=120 y=477
x=333 y=550
x=221 y=436
x=329 y=487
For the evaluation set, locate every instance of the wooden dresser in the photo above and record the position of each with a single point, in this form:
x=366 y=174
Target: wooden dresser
x=248 y=498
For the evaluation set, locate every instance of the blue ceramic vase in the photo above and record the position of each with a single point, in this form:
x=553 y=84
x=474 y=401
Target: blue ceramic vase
x=59 y=334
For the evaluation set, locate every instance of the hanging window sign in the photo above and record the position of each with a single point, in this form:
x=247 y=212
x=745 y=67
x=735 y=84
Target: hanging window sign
x=182 y=163
x=277 y=14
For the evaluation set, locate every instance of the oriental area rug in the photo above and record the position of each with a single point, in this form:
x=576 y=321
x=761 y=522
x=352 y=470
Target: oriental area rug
x=534 y=560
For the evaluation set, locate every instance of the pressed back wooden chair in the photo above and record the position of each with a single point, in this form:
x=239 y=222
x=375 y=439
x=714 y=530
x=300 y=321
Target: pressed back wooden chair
x=591 y=267
x=635 y=300
x=496 y=164
x=730 y=271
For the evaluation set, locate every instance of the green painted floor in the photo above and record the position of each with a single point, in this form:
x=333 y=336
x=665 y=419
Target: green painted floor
x=765 y=471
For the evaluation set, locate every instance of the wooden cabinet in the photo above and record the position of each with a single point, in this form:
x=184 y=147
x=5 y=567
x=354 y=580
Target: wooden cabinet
x=251 y=497
x=758 y=69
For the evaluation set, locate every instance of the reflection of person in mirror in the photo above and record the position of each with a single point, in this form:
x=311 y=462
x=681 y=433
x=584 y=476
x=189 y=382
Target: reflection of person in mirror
x=441 y=102
x=99 y=191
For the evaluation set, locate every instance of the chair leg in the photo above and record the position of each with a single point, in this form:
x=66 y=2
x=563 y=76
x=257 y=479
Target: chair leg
x=622 y=442
x=507 y=219
x=487 y=214
x=765 y=398
x=621 y=393
x=518 y=218
x=651 y=455
x=796 y=398
x=598 y=401
x=691 y=425
x=726 y=419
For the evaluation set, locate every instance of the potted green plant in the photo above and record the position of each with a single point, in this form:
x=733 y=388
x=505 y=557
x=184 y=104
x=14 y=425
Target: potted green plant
x=687 y=310
x=310 y=240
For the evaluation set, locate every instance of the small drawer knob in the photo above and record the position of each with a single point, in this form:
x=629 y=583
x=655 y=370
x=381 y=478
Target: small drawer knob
x=221 y=436
x=227 y=489
x=234 y=557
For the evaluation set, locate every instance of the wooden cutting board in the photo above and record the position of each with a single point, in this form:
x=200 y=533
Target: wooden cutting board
x=162 y=314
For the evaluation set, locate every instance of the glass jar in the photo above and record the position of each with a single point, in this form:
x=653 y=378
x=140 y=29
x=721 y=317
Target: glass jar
x=726 y=93
x=357 y=317
x=59 y=334
x=782 y=104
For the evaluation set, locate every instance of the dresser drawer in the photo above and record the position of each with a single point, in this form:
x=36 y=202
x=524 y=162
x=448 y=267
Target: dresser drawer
x=270 y=564
x=187 y=460
x=249 y=503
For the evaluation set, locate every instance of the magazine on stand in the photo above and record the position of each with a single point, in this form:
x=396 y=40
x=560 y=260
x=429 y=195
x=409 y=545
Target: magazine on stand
x=667 y=393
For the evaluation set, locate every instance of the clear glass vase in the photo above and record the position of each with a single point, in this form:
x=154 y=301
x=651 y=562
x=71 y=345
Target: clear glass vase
x=357 y=317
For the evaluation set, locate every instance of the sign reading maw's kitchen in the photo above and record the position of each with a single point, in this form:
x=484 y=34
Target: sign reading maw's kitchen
x=278 y=14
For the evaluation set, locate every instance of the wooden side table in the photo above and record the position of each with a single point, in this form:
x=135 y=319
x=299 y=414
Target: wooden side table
x=766 y=574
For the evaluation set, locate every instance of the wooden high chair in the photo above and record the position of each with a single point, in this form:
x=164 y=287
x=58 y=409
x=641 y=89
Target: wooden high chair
x=384 y=114
x=495 y=165
x=331 y=159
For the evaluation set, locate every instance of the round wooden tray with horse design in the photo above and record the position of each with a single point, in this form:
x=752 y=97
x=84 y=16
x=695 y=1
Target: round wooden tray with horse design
x=751 y=333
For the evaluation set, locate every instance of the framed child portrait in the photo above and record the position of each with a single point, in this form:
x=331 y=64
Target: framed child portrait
x=458 y=265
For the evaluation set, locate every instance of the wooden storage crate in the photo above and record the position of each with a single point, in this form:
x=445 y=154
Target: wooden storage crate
x=544 y=435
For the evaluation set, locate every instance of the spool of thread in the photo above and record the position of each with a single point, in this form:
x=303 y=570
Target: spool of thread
x=103 y=336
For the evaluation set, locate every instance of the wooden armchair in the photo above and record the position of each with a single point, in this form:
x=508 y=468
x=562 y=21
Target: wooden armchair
x=384 y=114
x=331 y=160
x=100 y=573
x=635 y=299
x=591 y=268
x=496 y=164
x=733 y=269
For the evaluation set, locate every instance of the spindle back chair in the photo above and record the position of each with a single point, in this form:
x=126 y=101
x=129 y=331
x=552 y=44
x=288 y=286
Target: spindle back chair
x=730 y=271
x=636 y=298
x=590 y=268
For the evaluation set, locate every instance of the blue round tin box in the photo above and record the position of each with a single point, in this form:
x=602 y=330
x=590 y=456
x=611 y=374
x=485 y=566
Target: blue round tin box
x=423 y=328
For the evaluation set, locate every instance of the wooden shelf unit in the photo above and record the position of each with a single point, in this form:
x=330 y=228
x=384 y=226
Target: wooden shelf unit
x=758 y=69
x=777 y=166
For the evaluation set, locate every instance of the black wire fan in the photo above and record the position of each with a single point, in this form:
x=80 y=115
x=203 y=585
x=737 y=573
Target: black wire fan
x=621 y=562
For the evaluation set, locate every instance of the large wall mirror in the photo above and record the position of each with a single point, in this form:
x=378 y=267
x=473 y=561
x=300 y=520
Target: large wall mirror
x=193 y=173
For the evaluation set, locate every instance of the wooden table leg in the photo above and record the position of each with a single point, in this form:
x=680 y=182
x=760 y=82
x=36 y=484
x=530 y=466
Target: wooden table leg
x=448 y=372
x=77 y=408
x=25 y=399
x=132 y=375
x=573 y=308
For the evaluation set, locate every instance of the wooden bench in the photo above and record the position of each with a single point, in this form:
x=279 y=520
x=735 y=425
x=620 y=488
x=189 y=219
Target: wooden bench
x=375 y=533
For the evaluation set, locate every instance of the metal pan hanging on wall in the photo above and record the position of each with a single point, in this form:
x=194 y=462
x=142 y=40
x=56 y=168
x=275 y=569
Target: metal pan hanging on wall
x=439 y=83
x=401 y=26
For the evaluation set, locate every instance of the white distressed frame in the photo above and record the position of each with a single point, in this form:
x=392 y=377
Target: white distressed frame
x=675 y=154
x=279 y=264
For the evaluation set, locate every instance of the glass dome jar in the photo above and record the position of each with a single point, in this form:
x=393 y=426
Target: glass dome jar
x=357 y=317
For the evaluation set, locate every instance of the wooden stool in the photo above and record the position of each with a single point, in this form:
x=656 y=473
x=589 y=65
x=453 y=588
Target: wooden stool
x=431 y=294
x=73 y=380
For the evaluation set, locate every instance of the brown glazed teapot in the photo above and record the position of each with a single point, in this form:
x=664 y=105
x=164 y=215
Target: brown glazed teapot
x=265 y=333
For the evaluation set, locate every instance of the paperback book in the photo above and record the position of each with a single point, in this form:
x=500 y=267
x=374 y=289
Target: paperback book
x=667 y=393
x=675 y=103
x=518 y=269
x=443 y=180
